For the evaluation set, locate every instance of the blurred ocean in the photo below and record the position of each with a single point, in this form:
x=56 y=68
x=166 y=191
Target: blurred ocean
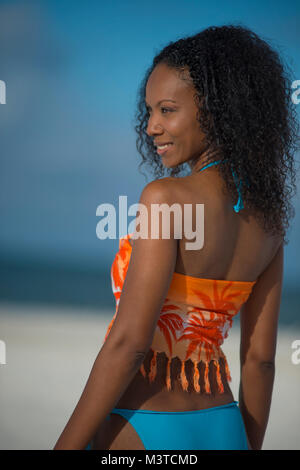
x=70 y=286
x=55 y=285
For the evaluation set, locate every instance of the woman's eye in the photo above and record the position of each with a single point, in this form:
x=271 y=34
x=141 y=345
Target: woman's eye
x=166 y=109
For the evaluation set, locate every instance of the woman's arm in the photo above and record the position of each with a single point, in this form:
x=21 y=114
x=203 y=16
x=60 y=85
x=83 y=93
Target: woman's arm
x=112 y=372
x=147 y=281
x=259 y=323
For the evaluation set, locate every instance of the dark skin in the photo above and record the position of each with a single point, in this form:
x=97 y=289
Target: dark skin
x=250 y=254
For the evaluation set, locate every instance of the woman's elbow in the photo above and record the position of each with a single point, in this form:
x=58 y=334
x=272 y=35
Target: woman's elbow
x=259 y=360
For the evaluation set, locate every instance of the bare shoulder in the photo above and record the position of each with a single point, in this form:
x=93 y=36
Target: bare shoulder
x=161 y=191
x=172 y=190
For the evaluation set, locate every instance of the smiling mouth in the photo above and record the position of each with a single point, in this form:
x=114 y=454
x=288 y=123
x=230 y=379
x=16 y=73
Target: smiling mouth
x=164 y=149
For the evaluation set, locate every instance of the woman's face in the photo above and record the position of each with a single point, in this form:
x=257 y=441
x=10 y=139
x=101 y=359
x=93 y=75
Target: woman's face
x=172 y=117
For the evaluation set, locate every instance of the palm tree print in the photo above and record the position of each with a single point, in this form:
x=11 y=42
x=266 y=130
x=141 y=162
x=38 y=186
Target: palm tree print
x=169 y=323
x=208 y=326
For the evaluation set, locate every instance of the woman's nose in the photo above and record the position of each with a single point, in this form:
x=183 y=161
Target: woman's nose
x=153 y=127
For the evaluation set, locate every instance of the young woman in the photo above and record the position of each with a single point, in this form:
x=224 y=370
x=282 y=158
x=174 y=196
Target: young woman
x=219 y=104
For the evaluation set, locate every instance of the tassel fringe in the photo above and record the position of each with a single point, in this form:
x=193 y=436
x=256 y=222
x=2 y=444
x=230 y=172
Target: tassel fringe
x=183 y=378
x=228 y=376
x=196 y=375
x=206 y=380
x=219 y=378
x=152 y=373
x=168 y=378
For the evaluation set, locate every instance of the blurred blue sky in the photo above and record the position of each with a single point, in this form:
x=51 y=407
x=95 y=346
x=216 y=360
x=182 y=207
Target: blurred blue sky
x=72 y=70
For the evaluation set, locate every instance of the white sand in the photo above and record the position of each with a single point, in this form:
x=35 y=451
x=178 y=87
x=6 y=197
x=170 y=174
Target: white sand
x=49 y=355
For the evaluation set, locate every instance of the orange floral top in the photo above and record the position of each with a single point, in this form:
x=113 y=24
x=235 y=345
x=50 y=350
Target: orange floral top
x=194 y=320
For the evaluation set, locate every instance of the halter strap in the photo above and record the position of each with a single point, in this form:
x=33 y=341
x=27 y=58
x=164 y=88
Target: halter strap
x=239 y=205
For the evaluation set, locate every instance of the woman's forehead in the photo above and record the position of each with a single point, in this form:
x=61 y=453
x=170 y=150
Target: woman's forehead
x=164 y=83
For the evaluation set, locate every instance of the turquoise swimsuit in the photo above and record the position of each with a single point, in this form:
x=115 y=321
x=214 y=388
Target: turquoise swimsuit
x=216 y=428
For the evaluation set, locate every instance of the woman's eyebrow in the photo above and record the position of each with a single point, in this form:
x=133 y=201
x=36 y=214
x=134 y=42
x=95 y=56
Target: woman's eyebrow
x=173 y=101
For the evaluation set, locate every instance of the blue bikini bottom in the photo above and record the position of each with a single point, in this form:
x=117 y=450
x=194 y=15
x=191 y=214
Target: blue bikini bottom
x=217 y=428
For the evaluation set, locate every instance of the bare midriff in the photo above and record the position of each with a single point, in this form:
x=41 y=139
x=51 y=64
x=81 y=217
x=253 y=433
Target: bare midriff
x=143 y=395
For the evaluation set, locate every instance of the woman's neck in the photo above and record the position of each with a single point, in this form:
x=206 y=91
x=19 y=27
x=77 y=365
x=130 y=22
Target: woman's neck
x=205 y=158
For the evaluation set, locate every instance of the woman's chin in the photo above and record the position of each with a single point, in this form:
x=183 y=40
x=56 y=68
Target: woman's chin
x=169 y=163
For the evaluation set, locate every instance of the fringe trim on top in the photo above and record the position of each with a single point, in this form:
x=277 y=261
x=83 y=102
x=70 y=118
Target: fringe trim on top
x=196 y=375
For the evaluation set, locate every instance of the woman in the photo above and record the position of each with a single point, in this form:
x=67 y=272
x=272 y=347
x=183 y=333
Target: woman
x=217 y=102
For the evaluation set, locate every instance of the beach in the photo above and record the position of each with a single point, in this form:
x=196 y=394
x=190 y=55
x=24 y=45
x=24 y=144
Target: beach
x=49 y=355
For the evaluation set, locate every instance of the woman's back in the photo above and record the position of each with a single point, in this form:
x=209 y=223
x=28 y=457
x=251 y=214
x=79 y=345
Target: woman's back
x=235 y=245
x=235 y=248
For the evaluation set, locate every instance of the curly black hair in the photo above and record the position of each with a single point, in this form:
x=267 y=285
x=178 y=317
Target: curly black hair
x=243 y=94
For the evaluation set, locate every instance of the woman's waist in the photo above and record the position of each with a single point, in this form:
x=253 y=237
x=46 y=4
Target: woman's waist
x=155 y=395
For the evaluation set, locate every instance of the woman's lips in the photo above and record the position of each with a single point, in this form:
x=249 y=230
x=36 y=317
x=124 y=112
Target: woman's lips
x=164 y=150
